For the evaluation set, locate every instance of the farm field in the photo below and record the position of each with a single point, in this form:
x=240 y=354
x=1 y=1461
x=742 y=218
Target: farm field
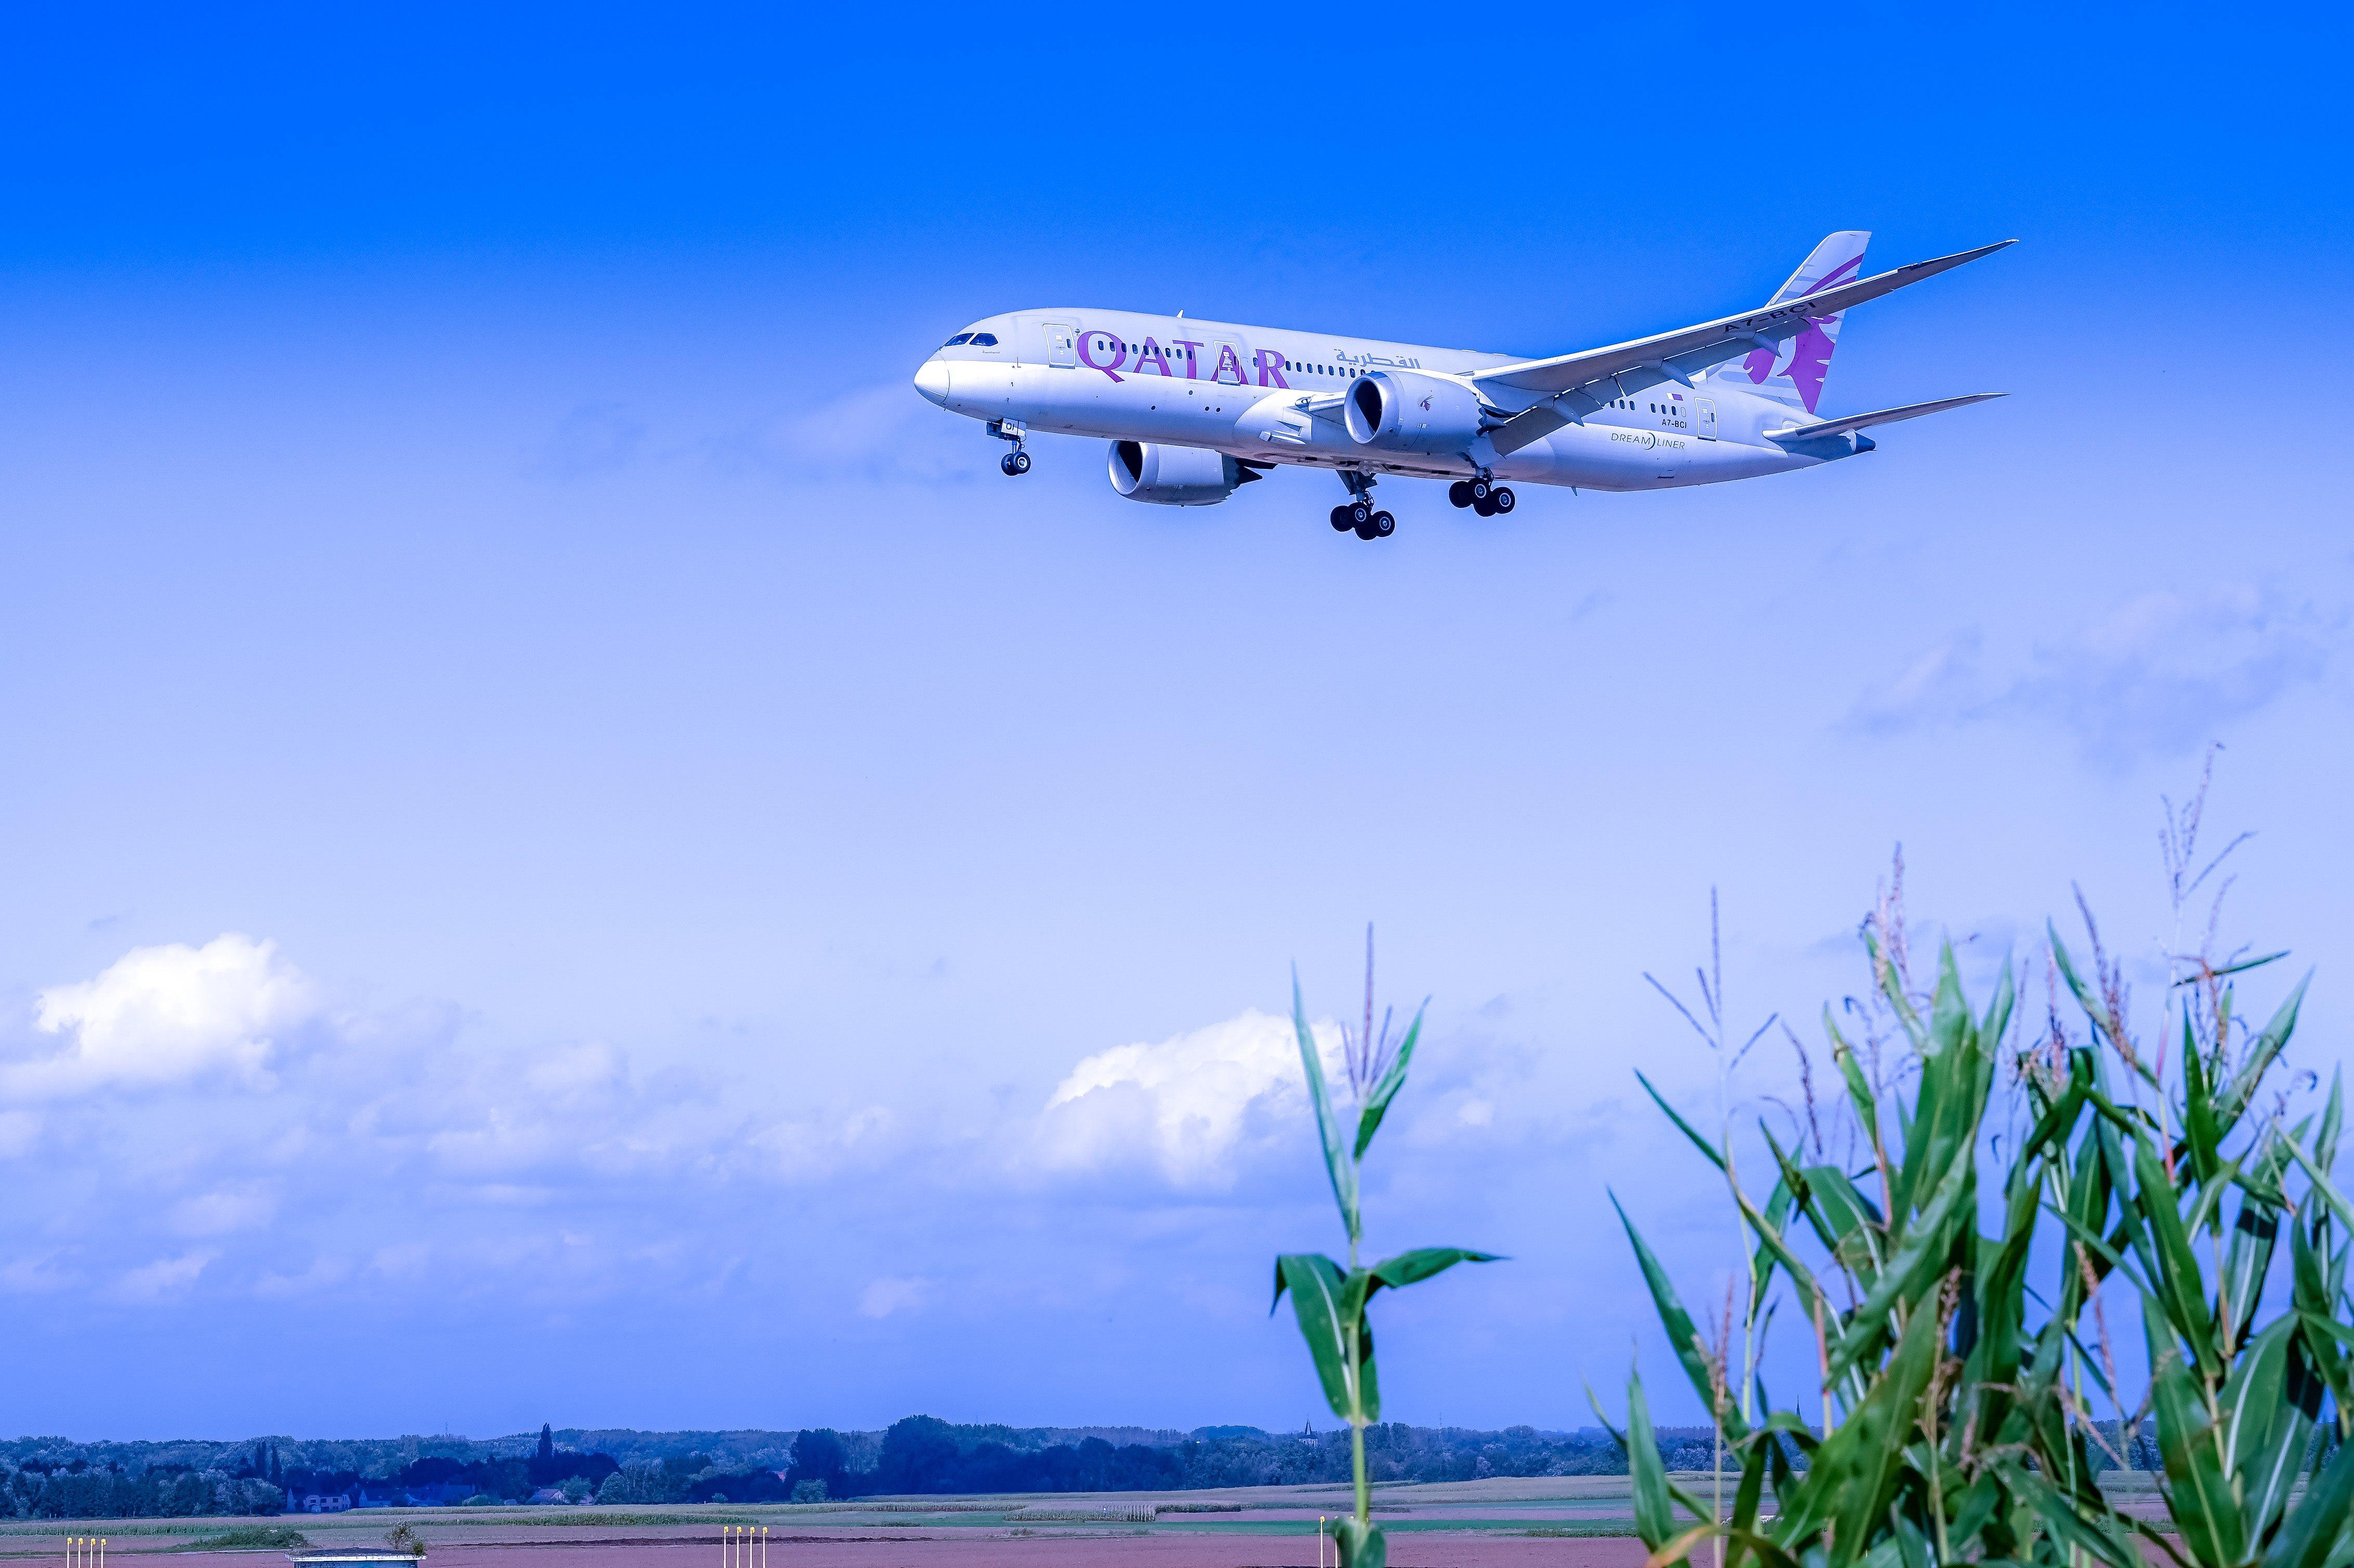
x=1505 y=1522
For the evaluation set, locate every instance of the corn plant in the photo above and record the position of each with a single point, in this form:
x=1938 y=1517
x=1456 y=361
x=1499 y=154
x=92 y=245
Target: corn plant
x=1330 y=1300
x=1955 y=1367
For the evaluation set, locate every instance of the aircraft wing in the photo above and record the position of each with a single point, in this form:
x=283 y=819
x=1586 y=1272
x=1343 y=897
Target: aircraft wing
x=1845 y=423
x=1573 y=385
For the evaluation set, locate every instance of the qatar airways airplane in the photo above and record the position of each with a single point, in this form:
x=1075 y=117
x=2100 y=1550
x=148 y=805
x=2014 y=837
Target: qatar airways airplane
x=1196 y=409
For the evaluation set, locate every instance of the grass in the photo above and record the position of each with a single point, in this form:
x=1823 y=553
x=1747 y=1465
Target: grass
x=247 y=1538
x=1587 y=1529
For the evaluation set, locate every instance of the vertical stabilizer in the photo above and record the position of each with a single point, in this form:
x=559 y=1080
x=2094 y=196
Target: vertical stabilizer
x=1796 y=375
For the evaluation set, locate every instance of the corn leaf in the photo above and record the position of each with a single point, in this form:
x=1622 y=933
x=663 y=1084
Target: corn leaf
x=2200 y=1132
x=1654 y=1512
x=2243 y=967
x=1377 y=1103
x=1683 y=1336
x=2269 y=1406
x=2309 y=1537
x=1892 y=986
x=1846 y=1221
x=1858 y=1091
x=2181 y=1286
x=1746 y=1497
x=2198 y=1493
x=2333 y=1117
x=1414 y=1268
x=1319 y=1291
x=2061 y=1515
x=1921 y=1259
x=1761 y=1264
x=1359 y=1543
x=1715 y=1157
x=1998 y=1014
x=1336 y=1163
x=1678 y=1547
x=2234 y=1098
x=1856 y=1470
x=2325 y=1188
x=1769 y=1555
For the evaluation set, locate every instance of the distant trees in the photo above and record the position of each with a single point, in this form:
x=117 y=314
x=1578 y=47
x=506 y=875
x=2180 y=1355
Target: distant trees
x=82 y=1491
x=47 y=1478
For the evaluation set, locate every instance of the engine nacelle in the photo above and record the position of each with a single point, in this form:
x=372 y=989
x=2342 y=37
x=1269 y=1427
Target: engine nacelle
x=1174 y=476
x=1398 y=411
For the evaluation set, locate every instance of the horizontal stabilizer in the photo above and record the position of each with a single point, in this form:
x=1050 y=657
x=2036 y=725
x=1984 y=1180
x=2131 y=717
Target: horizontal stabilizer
x=1842 y=425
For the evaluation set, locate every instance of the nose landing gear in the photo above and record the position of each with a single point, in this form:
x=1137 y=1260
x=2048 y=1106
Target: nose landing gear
x=1017 y=462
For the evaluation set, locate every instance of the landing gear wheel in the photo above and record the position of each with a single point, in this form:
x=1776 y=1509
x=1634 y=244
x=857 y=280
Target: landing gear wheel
x=1460 y=494
x=1342 y=521
x=1485 y=506
x=1360 y=514
x=1365 y=531
x=1382 y=525
x=1501 y=499
x=1479 y=491
x=1013 y=464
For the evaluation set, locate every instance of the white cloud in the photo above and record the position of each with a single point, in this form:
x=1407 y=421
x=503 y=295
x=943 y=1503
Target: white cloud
x=1940 y=684
x=2164 y=674
x=2157 y=675
x=166 y=1015
x=165 y=1276
x=1190 y=1106
x=223 y=1210
x=36 y=1277
x=323 y=1272
x=884 y=1296
x=886 y=432
x=593 y=439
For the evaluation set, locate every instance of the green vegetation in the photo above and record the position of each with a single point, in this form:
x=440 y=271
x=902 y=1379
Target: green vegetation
x=247 y=1538
x=1956 y=1416
x=1330 y=1301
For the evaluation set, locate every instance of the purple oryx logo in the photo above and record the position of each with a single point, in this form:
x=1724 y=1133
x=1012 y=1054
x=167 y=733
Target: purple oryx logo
x=1810 y=351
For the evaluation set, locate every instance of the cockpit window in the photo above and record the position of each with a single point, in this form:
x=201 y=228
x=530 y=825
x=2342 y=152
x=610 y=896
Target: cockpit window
x=984 y=340
x=961 y=337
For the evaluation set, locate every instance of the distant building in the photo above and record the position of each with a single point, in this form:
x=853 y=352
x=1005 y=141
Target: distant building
x=549 y=1495
x=317 y=1502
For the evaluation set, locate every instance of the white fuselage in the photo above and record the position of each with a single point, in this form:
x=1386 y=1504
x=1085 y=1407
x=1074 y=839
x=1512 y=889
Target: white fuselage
x=1269 y=395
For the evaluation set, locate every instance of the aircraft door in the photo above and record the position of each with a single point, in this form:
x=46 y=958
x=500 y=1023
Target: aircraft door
x=1226 y=353
x=1705 y=417
x=1062 y=345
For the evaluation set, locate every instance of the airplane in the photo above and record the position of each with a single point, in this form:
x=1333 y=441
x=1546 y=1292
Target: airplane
x=1196 y=409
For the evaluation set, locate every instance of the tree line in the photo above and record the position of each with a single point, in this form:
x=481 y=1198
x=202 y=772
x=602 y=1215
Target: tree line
x=919 y=1455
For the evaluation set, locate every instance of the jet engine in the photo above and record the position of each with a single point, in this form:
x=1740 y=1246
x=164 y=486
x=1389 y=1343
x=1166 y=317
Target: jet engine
x=1176 y=476
x=1399 y=411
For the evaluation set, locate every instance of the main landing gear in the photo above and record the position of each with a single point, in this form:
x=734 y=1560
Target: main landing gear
x=1483 y=495
x=1017 y=462
x=1358 y=514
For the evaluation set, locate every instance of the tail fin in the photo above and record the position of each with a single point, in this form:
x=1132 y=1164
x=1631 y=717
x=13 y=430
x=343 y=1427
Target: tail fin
x=1799 y=380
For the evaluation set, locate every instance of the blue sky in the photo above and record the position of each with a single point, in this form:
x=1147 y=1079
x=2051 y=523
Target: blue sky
x=566 y=832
